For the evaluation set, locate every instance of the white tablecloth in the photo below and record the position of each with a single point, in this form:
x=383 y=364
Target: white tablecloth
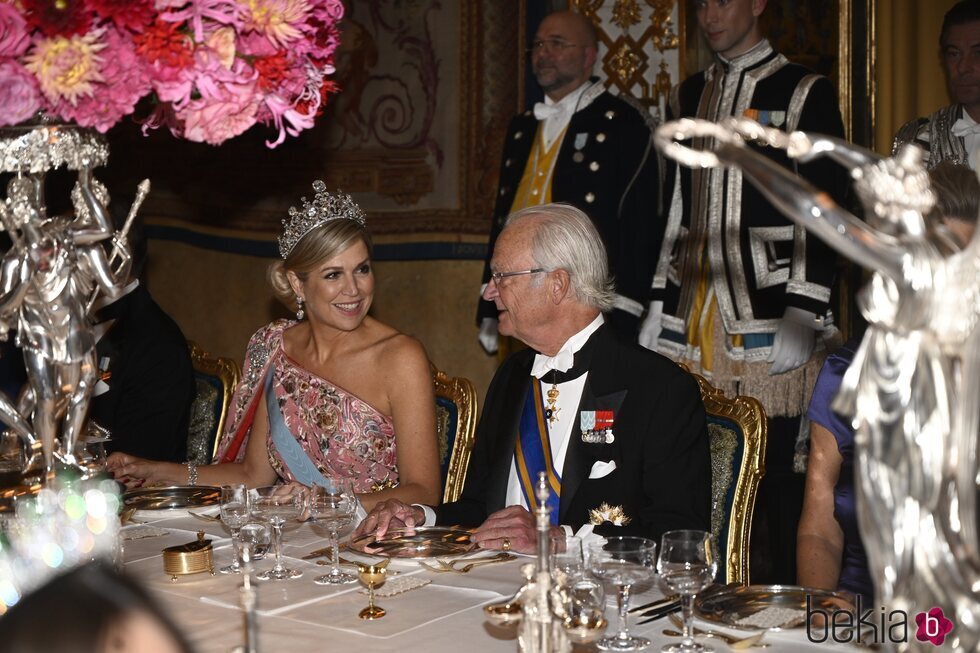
x=445 y=616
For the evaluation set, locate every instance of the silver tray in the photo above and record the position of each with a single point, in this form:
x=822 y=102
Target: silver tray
x=730 y=604
x=169 y=498
x=422 y=542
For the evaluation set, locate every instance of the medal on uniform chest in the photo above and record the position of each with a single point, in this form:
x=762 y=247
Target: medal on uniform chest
x=552 y=409
x=597 y=426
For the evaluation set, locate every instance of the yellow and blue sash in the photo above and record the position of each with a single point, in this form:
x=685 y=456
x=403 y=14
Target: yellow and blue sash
x=533 y=453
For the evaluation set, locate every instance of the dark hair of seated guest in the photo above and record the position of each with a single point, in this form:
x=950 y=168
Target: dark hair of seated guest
x=90 y=609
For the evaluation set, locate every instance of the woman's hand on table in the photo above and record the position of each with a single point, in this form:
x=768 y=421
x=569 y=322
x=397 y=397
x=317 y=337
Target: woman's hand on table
x=510 y=529
x=134 y=472
x=389 y=515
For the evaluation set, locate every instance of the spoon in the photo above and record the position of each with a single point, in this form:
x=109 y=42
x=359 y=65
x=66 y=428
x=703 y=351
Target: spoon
x=736 y=643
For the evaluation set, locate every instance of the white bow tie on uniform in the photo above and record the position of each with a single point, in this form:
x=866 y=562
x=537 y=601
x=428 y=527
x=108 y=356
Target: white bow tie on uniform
x=544 y=111
x=562 y=361
x=964 y=127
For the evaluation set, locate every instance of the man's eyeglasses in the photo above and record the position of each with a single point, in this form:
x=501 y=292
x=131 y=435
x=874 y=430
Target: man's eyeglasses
x=497 y=276
x=550 y=45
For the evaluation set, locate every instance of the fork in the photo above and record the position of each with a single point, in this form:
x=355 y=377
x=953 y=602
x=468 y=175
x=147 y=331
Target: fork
x=447 y=567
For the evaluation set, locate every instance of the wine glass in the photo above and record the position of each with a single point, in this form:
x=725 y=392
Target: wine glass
x=688 y=563
x=623 y=562
x=373 y=576
x=277 y=505
x=234 y=514
x=254 y=537
x=583 y=603
x=566 y=557
x=333 y=507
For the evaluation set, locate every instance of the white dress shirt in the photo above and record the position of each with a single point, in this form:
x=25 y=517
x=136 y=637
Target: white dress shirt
x=555 y=116
x=559 y=432
x=968 y=129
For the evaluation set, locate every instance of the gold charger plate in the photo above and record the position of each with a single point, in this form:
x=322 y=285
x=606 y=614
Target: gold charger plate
x=730 y=604
x=422 y=542
x=170 y=498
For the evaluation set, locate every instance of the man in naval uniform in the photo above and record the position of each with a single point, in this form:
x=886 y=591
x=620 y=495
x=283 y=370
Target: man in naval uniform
x=591 y=149
x=740 y=294
x=952 y=133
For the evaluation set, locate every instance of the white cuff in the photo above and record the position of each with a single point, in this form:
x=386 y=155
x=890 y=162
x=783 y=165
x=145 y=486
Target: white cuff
x=430 y=515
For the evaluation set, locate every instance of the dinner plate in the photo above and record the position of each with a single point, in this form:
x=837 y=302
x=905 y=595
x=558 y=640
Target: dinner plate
x=730 y=606
x=170 y=498
x=422 y=542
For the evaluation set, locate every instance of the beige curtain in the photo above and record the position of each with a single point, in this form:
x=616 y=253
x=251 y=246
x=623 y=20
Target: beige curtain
x=908 y=71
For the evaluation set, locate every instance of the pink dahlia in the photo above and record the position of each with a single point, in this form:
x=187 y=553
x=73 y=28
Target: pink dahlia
x=280 y=21
x=126 y=81
x=67 y=68
x=13 y=32
x=20 y=97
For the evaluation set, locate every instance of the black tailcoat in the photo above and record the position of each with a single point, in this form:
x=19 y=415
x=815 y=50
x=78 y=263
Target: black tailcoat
x=662 y=478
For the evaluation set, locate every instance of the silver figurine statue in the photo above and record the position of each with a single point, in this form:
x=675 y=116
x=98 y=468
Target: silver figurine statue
x=48 y=279
x=913 y=386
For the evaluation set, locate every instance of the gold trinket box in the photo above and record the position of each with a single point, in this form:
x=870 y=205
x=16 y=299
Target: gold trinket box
x=191 y=558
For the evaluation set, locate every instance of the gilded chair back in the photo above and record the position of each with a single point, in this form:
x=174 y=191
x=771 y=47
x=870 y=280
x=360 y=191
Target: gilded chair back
x=215 y=379
x=737 y=435
x=456 y=429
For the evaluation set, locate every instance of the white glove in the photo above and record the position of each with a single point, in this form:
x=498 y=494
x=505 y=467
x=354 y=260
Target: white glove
x=792 y=347
x=488 y=335
x=651 y=327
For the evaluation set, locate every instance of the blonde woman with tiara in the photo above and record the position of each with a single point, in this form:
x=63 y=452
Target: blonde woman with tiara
x=334 y=393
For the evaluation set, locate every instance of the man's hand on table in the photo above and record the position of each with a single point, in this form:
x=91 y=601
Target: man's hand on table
x=389 y=515
x=511 y=529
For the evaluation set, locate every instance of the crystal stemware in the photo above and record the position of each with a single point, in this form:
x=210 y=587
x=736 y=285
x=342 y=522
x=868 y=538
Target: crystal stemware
x=622 y=562
x=566 y=557
x=373 y=576
x=333 y=507
x=277 y=505
x=234 y=514
x=688 y=563
x=254 y=537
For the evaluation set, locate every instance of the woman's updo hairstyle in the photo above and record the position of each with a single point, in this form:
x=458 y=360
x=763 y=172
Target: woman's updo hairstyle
x=313 y=234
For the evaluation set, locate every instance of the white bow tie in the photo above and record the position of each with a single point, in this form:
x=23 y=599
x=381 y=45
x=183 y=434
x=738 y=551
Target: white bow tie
x=562 y=361
x=964 y=127
x=544 y=111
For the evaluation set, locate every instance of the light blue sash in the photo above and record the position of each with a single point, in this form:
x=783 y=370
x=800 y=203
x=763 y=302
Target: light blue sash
x=292 y=453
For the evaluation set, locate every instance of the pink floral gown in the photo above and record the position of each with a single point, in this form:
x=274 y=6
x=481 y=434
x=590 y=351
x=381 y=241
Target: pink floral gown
x=343 y=435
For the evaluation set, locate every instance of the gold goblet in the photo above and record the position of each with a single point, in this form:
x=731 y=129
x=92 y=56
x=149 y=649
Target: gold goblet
x=373 y=576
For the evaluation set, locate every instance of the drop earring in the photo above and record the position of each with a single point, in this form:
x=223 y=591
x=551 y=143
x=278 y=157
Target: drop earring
x=299 y=308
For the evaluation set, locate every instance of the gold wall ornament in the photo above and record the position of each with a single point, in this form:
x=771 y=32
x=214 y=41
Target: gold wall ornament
x=626 y=13
x=639 y=47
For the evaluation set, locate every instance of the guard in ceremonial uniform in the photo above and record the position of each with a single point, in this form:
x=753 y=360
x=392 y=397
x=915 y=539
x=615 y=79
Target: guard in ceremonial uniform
x=589 y=148
x=953 y=133
x=740 y=294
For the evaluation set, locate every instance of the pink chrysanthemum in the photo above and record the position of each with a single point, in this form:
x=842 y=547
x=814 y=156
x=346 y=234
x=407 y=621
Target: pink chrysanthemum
x=67 y=68
x=126 y=82
x=13 y=32
x=215 y=121
x=280 y=21
x=20 y=97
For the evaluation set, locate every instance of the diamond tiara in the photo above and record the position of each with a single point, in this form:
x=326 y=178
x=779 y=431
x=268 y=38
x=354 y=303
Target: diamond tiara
x=323 y=209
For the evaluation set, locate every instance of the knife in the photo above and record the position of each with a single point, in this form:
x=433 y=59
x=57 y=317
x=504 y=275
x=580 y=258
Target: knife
x=655 y=604
x=660 y=613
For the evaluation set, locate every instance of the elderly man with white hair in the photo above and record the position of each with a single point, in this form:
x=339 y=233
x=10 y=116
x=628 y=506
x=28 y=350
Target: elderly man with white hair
x=620 y=430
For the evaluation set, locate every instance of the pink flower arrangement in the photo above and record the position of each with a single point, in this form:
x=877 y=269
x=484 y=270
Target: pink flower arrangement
x=213 y=68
